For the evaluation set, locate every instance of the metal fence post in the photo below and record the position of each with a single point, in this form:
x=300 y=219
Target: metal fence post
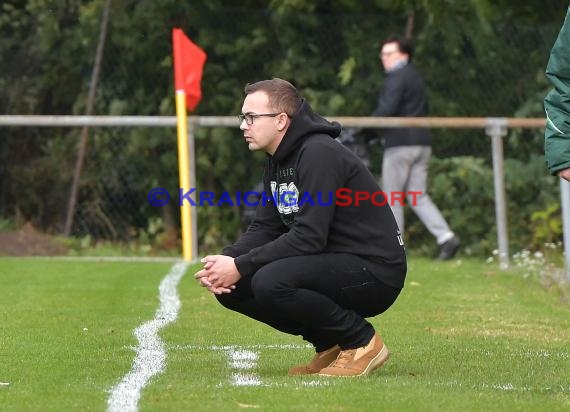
x=565 y=200
x=497 y=128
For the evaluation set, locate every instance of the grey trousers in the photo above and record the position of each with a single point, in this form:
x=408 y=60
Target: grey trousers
x=404 y=170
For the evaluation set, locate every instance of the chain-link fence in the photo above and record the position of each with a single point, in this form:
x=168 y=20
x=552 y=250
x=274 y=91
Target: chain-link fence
x=121 y=167
x=333 y=58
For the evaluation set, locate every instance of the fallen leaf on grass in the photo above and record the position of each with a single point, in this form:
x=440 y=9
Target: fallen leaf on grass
x=245 y=405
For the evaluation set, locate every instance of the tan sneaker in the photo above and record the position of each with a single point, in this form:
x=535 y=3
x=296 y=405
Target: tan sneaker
x=360 y=361
x=320 y=361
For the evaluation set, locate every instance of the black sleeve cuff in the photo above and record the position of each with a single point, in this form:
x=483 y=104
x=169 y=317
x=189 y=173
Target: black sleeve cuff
x=244 y=265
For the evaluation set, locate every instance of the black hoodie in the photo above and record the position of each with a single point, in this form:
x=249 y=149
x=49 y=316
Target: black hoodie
x=304 y=213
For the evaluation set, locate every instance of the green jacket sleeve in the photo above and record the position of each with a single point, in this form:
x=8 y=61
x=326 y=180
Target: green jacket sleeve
x=557 y=103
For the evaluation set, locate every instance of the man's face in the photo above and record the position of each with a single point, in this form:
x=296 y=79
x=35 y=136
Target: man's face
x=266 y=132
x=391 y=55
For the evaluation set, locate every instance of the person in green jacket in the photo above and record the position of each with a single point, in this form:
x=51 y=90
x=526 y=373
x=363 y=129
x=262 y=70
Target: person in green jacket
x=557 y=105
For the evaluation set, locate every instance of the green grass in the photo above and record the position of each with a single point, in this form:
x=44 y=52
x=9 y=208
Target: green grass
x=50 y=362
x=463 y=336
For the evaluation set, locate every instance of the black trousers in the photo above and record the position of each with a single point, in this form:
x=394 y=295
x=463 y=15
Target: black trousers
x=324 y=298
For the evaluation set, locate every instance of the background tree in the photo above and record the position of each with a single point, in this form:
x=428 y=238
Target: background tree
x=480 y=58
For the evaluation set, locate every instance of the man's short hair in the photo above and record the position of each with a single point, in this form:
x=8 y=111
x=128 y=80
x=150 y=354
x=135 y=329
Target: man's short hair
x=283 y=96
x=404 y=44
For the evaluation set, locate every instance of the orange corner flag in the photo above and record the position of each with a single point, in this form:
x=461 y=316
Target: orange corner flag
x=189 y=62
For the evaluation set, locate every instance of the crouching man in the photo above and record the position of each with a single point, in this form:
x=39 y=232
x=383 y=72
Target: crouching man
x=314 y=270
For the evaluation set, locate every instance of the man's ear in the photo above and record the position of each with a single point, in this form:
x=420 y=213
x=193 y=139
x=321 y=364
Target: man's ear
x=282 y=121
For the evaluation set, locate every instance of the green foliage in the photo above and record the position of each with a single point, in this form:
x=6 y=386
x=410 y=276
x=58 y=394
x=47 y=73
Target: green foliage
x=462 y=187
x=491 y=66
x=547 y=225
x=6 y=224
x=528 y=191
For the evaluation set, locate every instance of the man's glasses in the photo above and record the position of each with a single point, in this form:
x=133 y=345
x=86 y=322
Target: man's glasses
x=250 y=117
x=387 y=53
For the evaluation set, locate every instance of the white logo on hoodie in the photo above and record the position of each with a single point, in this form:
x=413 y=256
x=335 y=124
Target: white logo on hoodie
x=286 y=198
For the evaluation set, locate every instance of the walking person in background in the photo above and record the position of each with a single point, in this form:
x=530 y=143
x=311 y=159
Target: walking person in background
x=315 y=270
x=557 y=105
x=407 y=151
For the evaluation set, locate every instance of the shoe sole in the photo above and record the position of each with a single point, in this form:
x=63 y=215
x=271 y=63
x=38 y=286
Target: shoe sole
x=374 y=364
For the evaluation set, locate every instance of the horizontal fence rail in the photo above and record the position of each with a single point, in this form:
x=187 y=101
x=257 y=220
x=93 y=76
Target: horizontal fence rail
x=229 y=121
x=494 y=127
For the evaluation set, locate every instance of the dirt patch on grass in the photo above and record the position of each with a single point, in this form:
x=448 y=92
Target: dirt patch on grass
x=29 y=242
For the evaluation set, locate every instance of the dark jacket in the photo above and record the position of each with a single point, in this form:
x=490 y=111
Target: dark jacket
x=301 y=215
x=557 y=103
x=403 y=95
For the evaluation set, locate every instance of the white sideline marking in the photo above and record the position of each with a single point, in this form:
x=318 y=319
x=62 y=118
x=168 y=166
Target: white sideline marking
x=244 y=359
x=150 y=353
x=233 y=347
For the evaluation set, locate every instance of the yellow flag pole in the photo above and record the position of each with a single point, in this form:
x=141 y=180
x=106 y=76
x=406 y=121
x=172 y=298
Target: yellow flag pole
x=183 y=172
